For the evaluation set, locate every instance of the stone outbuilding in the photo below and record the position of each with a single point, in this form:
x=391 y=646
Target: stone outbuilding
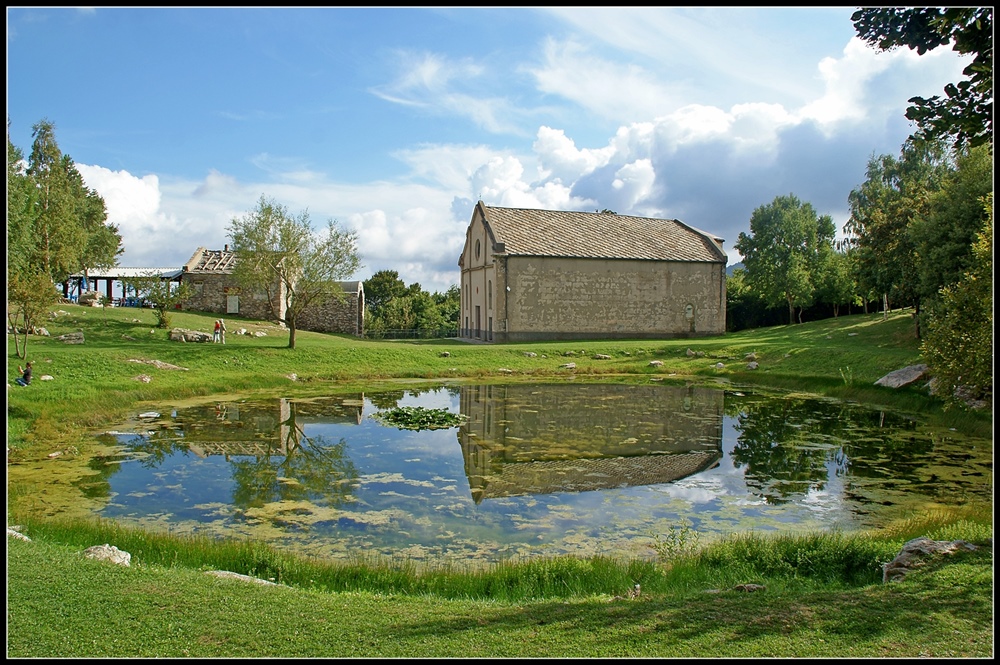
x=530 y=275
x=209 y=276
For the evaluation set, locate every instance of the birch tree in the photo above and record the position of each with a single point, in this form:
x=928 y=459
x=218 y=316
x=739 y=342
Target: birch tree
x=278 y=254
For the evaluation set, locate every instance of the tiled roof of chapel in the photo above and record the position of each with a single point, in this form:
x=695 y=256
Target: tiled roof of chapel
x=584 y=475
x=559 y=233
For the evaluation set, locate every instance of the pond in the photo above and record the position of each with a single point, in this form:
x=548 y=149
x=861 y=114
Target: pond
x=533 y=470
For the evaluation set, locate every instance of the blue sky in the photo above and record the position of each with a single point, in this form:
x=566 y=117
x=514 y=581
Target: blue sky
x=394 y=121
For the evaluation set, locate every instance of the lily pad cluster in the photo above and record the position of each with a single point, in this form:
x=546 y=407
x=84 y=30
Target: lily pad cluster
x=418 y=418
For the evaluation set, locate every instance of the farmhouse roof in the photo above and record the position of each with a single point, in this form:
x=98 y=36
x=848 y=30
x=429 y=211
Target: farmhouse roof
x=211 y=261
x=528 y=232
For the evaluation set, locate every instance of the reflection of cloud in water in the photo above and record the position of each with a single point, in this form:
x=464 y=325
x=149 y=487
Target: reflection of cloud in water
x=374 y=478
x=457 y=509
x=693 y=495
x=751 y=500
x=828 y=501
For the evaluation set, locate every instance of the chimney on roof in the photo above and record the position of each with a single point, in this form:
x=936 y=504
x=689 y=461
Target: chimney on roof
x=226 y=249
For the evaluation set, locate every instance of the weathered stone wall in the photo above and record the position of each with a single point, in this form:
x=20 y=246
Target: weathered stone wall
x=212 y=293
x=562 y=298
x=335 y=316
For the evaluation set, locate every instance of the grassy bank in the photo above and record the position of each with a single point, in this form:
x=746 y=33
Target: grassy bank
x=823 y=593
x=61 y=604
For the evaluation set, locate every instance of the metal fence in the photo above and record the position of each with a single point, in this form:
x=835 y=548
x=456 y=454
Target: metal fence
x=417 y=333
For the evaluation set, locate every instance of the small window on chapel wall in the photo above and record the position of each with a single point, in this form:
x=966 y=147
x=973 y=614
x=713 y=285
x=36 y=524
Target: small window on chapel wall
x=477 y=249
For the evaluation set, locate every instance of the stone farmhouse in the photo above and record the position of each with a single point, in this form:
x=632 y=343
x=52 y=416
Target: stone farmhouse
x=209 y=276
x=557 y=275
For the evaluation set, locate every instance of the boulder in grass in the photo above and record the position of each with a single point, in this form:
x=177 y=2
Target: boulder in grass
x=917 y=552
x=903 y=377
x=182 y=335
x=110 y=553
x=71 y=338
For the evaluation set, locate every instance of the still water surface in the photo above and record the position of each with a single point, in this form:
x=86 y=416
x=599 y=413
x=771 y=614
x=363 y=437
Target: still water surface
x=533 y=470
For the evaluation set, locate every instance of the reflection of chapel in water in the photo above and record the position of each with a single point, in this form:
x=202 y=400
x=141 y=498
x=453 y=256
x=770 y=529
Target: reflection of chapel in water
x=262 y=428
x=530 y=439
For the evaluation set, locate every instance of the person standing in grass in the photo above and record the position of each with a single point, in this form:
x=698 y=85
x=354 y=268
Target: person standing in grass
x=222 y=330
x=25 y=377
x=218 y=331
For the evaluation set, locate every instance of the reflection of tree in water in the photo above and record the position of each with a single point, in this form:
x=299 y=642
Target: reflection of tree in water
x=153 y=448
x=386 y=400
x=296 y=468
x=786 y=445
x=287 y=465
x=317 y=471
x=887 y=446
x=389 y=399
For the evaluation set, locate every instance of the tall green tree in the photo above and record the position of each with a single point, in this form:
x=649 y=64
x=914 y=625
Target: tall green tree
x=102 y=244
x=69 y=232
x=896 y=192
x=835 y=284
x=56 y=226
x=57 y=238
x=278 y=254
x=965 y=114
x=380 y=288
x=450 y=304
x=786 y=252
x=945 y=231
x=22 y=199
x=958 y=345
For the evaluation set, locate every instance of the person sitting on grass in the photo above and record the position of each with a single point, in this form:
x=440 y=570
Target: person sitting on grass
x=25 y=377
